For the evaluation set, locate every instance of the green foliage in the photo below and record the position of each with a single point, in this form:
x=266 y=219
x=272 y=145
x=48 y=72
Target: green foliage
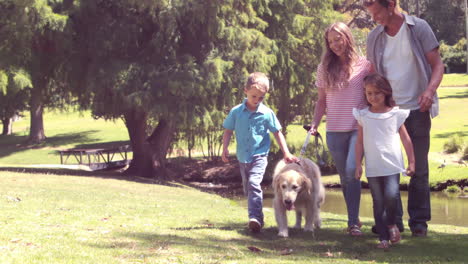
x=465 y=153
x=446 y=18
x=454 y=144
x=454 y=57
x=15 y=84
x=3 y=82
x=453 y=189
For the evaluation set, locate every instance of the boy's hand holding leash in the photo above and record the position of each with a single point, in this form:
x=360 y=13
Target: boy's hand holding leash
x=290 y=158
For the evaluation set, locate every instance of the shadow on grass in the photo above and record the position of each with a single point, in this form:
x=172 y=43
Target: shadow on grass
x=448 y=135
x=15 y=143
x=115 y=174
x=12 y=144
x=459 y=95
x=211 y=240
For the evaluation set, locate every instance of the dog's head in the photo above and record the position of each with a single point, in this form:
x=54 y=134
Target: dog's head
x=289 y=183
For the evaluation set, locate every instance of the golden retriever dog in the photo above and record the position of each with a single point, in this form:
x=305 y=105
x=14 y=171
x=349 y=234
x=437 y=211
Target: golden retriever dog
x=297 y=186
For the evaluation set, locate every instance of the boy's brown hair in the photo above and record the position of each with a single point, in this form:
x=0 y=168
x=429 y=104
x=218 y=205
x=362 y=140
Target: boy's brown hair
x=258 y=80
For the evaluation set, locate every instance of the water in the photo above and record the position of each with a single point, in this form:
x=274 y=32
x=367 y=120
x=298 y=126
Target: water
x=445 y=209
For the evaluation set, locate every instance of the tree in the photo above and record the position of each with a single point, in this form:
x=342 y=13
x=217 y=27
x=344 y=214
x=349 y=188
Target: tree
x=164 y=63
x=32 y=34
x=13 y=96
x=298 y=36
x=446 y=18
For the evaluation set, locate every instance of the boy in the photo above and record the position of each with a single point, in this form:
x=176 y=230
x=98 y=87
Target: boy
x=252 y=121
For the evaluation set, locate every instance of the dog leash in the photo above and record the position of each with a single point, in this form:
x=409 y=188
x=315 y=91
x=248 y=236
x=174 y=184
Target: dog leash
x=319 y=147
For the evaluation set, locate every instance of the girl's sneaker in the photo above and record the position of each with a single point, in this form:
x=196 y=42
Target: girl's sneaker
x=395 y=236
x=383 y=244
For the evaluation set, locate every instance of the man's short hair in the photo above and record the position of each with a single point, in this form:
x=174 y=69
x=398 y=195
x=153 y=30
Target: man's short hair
x=383 y=3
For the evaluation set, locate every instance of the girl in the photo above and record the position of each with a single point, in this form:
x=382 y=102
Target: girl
x=340 y=88
x=381 y=126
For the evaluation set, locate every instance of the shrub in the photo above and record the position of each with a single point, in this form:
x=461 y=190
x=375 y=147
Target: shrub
x=454 y=144
x=454 y=57
x=453 y=189
x=465 y=153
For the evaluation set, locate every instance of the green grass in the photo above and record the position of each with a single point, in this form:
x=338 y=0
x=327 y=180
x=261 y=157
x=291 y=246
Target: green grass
x=455 y=79
x=63 y=130
x=68 y=218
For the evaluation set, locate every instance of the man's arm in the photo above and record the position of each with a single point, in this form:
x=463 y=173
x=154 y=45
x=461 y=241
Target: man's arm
x=425 y=100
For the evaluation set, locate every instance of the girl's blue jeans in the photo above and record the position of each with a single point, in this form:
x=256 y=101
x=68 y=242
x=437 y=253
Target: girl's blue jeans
x=341 y=146
x=385 y=195
x=252 y=175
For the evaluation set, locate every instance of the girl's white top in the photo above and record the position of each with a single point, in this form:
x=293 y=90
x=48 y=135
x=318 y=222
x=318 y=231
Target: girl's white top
x=382 y=149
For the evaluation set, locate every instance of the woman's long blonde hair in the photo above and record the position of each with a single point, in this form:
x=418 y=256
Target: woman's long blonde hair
x=332 y=64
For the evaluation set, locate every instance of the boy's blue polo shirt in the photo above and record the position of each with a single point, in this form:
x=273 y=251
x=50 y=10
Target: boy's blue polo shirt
x=252 y=130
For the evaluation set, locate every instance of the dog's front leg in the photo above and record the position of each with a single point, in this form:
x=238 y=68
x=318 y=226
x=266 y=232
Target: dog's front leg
x=281 y=218
x=309 y=218
x=298 y=219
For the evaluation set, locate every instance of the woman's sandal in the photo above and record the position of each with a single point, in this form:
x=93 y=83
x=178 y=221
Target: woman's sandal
x=394 y=233
x=383 y=244
x=354 y=230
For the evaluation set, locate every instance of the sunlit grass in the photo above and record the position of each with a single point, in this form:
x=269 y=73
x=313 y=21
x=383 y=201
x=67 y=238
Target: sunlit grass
x=84 y=219
x=455 y=79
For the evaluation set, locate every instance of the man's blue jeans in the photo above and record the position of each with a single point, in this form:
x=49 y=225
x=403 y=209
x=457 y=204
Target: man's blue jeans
x=341 y=146
x=418 y=125
x=252 y=175
x=385 y=194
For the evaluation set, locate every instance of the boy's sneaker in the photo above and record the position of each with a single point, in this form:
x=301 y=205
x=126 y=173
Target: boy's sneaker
x=254 y=225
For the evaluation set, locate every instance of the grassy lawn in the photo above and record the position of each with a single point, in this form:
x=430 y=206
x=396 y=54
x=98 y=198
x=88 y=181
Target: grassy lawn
x=65 y=218
x=455 y=79
x=63 y=130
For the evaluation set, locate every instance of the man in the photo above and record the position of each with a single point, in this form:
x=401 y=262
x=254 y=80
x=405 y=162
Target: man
x=404 y=49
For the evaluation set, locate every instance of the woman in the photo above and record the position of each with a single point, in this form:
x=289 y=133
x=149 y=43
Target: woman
x=340 y=78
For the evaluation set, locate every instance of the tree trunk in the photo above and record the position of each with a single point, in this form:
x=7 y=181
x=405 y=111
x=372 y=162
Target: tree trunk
x=149 y=154
x=135 y=121
x=36 y=132
x=158 y=145
x=7 y=126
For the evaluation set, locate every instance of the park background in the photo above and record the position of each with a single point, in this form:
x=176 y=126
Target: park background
x=160 y=77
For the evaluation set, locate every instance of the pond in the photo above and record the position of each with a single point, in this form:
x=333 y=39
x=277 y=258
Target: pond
x=446 y=209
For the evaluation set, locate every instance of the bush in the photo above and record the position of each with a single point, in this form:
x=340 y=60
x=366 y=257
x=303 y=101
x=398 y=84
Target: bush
x=453 y=189
x=465 y=153
x=454 y=144
x=454 y=57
